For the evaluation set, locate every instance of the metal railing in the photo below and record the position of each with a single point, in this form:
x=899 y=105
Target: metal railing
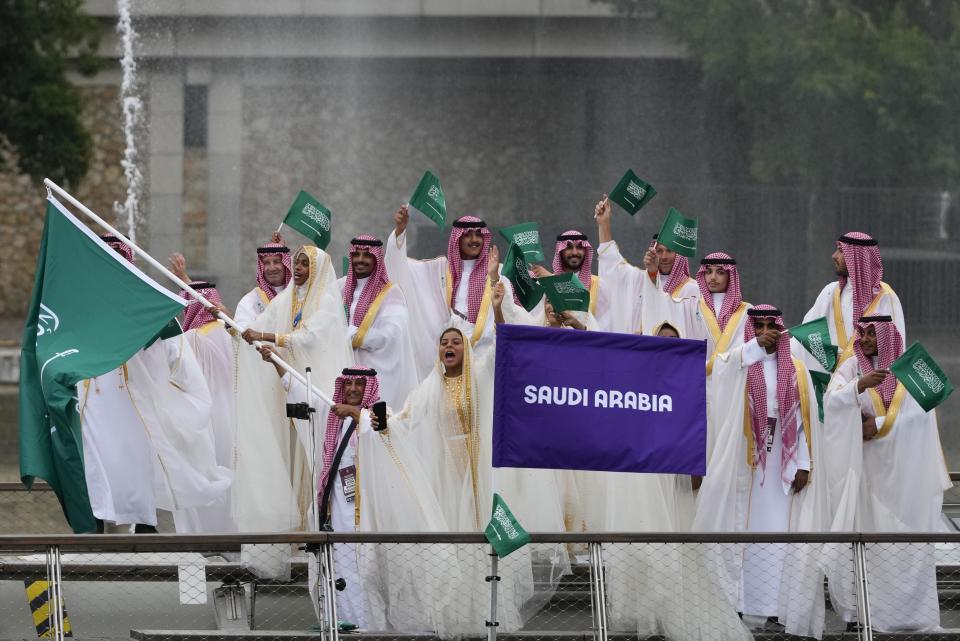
x=427 y=585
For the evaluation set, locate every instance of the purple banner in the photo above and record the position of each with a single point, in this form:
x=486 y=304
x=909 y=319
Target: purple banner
x=579 y=400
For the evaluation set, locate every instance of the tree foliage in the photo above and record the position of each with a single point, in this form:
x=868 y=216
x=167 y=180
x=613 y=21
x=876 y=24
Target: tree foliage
x=40 y=126
x=854 y=92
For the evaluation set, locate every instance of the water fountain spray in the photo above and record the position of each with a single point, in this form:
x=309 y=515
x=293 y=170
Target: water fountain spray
x=132 y=107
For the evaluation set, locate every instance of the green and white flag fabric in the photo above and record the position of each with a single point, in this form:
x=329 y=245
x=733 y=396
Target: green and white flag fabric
x=428 y=199
x=91 y=310
x=311 y=218
x=527 y=237
x=922 y=377
x=632 y=193
x=679 y=234
x=504 y=532
x=566 y=293
x=815 y=338
x=517 y=271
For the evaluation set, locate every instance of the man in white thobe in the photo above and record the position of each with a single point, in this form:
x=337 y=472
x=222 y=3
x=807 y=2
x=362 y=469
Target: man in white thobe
x=887 y=474
x=147 y=441
x=760 y=479
x=214 y=348
x=446 y=291
x=379 y=324
x=274 y=271
x=628 y=312
x=858 y=291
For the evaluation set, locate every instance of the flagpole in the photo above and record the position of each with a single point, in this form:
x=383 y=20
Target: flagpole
x=210 y=307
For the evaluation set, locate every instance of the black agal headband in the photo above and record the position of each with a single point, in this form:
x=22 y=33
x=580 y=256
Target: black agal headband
x=466 y=224
x=571 y=237
x=763 y=313
x=367 y=243
x=863 y=242
x=273 y=250
x=359 y=372
x=876 y=319
x=718 y=261
x=203 y=285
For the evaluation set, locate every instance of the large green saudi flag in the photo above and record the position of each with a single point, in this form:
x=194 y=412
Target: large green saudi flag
x=90 y=312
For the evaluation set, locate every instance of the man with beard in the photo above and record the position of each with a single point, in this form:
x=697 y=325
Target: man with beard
x=574 y=253
x=670 y=273
x=378 y=321
x=858 y=291
x=446 y=291
x=763 y=403
x=274 y=271
x=887 y=474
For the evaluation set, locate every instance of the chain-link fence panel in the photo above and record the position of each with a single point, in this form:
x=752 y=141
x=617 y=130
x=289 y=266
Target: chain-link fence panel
x=722 y=591
x=908 y=593
x=34 y=511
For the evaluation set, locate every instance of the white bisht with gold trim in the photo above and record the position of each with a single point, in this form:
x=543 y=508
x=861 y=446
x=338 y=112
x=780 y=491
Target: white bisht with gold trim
x=427 y=287
x=726 y=501
x=892 y=483
x=382 y=342
x=837 y=306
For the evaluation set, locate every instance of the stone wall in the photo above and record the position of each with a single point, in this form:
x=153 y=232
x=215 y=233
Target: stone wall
x=511 y=140
x=22 y=199
x=195 y=186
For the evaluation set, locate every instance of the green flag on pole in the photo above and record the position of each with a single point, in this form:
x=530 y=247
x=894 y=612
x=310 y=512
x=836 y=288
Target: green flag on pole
x=632 y=193
x=566 y=292
x=922 y=377
x=91 y=310
x=311 y=218
x=504 y=532
x=527 y=237
x=428 y=199
x=815 y=338
x=679 y=234
x=517 y=271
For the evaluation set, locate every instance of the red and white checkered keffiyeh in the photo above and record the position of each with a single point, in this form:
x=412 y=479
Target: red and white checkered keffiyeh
x=788 y=397
x=378 y=279
x=371 y=394
x=889 y=349
x=479 y=275
x=679 y=273
x=733 y=296
x=194 y=314
x=118 y=246
x=864 y=266
x=284 y=253
x=570 y=238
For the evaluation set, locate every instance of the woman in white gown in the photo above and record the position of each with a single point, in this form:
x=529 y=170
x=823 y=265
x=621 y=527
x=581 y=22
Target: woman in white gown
x=273 y=490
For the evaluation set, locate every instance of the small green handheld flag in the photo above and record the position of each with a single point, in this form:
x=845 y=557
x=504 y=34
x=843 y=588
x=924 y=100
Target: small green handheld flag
x=428 y=199
x=515 y=269
x=922 y=377
x=346 y=265
x=820 y=382
x=632 y=193
x=815 y=337
x=527 y=237
x=679 y=234
x=566 y=292
x=309 y=217
x=504 y=532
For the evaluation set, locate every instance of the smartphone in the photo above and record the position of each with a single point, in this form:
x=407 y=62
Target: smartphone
x=380 y=411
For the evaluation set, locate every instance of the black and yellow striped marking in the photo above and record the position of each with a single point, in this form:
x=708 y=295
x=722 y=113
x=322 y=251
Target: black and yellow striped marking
x=39 y=599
